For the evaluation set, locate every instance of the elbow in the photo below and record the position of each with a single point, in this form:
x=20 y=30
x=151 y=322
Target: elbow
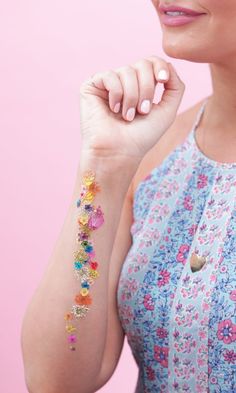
x=45 y=386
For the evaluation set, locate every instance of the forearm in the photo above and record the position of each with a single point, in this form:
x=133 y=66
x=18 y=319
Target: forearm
x=50 y=366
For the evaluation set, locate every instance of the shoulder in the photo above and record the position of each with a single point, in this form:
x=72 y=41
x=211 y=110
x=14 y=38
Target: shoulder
x=174 y=136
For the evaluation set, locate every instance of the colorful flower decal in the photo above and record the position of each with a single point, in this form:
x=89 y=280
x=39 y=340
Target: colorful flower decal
x=83 y=300
x=90 y=218
x=70 y=328
x=72 y=338
x=79 y=311
x=93 y=265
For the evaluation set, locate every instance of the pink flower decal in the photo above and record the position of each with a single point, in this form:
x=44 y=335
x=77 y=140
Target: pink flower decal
x=226 y=331
x=96 y=219
x=163 y=278
x=148 y=302
x=161 y=355
x=183 y=253
x=72 y=338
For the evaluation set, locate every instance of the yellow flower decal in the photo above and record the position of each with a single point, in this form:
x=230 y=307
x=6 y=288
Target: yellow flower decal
x=81 y=255
x=84 y=291
x=88 y=178
x=89 y=196
x=83 y=219
x=93 y=273
x=70 y=328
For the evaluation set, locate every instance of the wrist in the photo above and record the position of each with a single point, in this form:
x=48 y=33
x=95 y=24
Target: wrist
x=116 y=171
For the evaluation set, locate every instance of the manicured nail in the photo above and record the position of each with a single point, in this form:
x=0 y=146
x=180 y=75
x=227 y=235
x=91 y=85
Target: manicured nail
x=163 y=75
x=117 y=107
x=145 y=106
x=130 y=114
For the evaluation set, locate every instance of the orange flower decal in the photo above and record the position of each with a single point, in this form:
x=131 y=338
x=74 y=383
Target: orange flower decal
x=83 y=300
x=68 y=316
x=94 y=188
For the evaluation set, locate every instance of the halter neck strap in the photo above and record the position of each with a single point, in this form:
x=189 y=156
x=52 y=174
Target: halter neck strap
x=199 y=114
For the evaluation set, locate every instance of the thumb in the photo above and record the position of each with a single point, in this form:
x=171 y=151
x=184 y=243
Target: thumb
x=173 y=90
x=164 y=112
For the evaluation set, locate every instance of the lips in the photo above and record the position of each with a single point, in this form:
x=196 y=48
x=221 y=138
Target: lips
x=174 y=15
x=174 y=8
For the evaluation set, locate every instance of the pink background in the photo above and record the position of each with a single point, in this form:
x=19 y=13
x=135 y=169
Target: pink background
x=47 y=49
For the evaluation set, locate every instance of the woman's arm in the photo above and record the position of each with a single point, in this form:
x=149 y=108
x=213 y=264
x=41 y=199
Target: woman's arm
x=118 y=147
x=50 y=367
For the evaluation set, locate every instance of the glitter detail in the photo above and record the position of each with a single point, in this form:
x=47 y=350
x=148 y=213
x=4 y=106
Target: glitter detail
x=93 y=273
x=86 y=300
x=90 y=218
x=81 y=255
x=70 y=328
x=72 y=338
x=68 y=316
x=96 y=219
x=84 y=291
x=83 y=220
x=79 y=311
x=88 y=178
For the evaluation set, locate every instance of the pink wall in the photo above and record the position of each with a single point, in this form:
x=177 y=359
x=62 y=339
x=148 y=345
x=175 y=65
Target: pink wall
x=47 y=49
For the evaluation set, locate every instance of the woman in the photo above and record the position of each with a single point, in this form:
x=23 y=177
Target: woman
x=166 y=248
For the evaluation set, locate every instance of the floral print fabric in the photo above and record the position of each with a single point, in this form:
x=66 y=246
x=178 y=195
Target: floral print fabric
x=180 y=325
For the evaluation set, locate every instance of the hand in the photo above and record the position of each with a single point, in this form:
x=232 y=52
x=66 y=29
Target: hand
x=107 y=134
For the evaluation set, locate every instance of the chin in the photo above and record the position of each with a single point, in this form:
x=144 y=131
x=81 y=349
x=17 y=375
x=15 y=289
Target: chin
x=186 y=51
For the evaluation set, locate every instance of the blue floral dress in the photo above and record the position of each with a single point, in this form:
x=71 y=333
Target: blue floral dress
x=180 y=324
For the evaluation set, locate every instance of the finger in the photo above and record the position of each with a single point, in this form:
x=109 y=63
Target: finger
x=146 y=82
x=111 y=82
x=129 y=81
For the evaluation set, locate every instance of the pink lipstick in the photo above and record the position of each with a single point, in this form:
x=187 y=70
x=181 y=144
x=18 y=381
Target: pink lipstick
x=174 y=15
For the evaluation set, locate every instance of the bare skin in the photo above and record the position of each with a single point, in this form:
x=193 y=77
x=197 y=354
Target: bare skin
x=210 y=40
x=123 y=153
x=113 y=146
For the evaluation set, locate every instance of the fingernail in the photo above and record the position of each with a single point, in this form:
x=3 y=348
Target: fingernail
x=145 y=106
x=117 y=107
x=162 y=74
x=130 y=114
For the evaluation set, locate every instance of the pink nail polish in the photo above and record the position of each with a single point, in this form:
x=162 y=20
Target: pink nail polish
x=130 y=114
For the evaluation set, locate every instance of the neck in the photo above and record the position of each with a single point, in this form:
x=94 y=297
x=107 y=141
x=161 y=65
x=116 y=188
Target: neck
x=221 y=108
x=216 y=135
